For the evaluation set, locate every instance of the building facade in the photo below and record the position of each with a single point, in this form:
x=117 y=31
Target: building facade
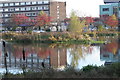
x=110 y=7
x=31 y=8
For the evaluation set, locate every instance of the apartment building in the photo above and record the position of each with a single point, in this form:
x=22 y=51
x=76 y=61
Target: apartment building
x=31 y=8
x=110 y=7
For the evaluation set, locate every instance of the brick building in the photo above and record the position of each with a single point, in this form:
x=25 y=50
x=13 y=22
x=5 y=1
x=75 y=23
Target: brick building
x=58 y=59
x=31 y=8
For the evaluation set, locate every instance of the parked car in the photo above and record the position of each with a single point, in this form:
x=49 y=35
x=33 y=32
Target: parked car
x=18 y=31
x=38 y=31
x=4 y=31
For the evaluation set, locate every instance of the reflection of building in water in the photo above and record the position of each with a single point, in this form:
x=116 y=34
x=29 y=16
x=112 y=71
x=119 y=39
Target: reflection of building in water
x=32 y=62
x=58 y=59
x=110 y=54
x=0 y=52
x=110 y=57
x=35 y=57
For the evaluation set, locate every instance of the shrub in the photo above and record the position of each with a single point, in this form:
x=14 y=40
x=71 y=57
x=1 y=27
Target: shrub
x=89 y=68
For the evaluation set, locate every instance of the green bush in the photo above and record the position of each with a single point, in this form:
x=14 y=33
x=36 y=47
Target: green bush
x=89 y=68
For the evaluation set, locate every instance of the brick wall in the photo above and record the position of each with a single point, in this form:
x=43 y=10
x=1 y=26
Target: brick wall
x=58 y=8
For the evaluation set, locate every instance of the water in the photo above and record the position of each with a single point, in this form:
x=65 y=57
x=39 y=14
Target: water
x=57 y=56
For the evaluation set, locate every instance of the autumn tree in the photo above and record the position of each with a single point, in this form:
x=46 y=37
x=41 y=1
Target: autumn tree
x=76 y=25
x=112 y=21
x=89 y=20
x=109 y=20
x=112 y=47
x=20 y=20
x=42 y=19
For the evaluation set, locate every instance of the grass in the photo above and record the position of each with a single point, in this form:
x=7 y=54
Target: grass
x=90 y=71
x=44 y=38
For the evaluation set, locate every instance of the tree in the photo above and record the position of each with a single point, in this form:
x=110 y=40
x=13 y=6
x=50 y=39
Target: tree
x=100 y=28
x=110 y=20
x=89 y=20
x=76 y=25
x=43 y=19
x=112 y=47
x=20 y=20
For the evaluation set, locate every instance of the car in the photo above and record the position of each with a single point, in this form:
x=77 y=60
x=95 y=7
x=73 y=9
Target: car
x=38 y=31
x=4 y=31
x=18 y=31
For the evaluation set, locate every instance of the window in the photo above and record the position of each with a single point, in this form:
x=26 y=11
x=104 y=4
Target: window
x=11 y=9
x=1 y=10
x=28 y=3
x=16 y=9
x=46 y=7
x=1 y=5
x=6 y=4
x=58 y=6
x=105 y=9
x=33 y=14
x=6 y=15
x=43 y=8
x=11 y=4
x=58 y=12
x=58 y=17
x=39 y=2
x=16 y=4
x=34 y=8
x=22 y=9
x=33 y=2
x=46 y=2
x=9 y=15
x=1 y=15
x=40 y=8
x=23 y=3
x=28 y=8
x=28 y=14
x=5 y=9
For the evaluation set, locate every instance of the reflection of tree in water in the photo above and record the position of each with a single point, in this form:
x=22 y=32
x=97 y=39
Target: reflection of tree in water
x=39 y=50
x=79 y=52
x=112 y=47
x=107 y=38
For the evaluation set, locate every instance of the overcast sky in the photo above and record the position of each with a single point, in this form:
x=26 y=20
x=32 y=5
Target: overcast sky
x=83 y=7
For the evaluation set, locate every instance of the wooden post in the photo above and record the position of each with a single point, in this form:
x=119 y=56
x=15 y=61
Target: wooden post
x=5 y=55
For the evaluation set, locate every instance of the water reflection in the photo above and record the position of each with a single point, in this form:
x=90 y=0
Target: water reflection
x=58 y=56
x=79 y=52
x=110 y=52
x=87 y=55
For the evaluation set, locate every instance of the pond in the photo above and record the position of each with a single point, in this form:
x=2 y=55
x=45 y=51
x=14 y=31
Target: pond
x=37 y=56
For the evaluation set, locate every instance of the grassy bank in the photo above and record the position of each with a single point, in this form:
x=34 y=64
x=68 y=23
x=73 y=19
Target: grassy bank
x=90 y=71
x=50 y=37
